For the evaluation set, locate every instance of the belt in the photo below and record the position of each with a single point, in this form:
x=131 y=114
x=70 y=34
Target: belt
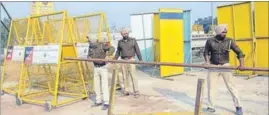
x=99 y=65
x=127 y=57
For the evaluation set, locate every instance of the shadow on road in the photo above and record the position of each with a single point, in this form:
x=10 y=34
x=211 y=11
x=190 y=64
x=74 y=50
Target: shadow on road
x=183 y=97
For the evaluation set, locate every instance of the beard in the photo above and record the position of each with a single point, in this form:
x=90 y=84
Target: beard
x=125 y=37
x=219 y=37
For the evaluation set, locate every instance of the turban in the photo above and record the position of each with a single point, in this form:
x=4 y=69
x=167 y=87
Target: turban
x=220 y=28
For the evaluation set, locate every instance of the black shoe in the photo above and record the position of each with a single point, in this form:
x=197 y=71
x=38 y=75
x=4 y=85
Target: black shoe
x=118 y=87
x=211 y=110
x=239 y=111
x=136 y=95
x=96 y=104
x=105 y=107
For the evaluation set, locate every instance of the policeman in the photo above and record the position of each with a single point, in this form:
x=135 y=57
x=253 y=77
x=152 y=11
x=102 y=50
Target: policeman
x=217 y=53
x=126 y=49
x=100 y=50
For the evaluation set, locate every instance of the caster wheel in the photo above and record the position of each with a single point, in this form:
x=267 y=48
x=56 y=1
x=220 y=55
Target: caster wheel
x=2 y=93
x=18 y=101
x=84 y=98
x=48 y=107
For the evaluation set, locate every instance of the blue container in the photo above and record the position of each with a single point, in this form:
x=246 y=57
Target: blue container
x=187 y=39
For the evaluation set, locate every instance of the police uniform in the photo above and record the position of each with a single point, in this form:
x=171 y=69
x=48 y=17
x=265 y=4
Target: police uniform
x=101 y=51
x=127 y=49
x=219 y=55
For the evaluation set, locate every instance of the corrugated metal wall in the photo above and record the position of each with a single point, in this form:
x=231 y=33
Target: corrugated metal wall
x=262 y=34
x=240 y=20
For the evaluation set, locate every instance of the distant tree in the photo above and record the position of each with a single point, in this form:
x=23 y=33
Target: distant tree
x=4 y=32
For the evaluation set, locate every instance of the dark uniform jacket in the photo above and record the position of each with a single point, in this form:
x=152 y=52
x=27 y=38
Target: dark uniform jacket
x=100 y=51
x=127 y=49
x=219 y=50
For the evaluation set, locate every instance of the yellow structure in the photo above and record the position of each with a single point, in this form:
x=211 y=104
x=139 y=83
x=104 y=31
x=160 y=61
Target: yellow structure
x=44 y=7
x=56 y=83
x=92 y=25
x=240 y=20
x=17 y=34
x=261 y=34
x=169 y=35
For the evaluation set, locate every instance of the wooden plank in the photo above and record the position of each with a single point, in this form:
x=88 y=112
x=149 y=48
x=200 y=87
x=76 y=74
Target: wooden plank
x=113 y=90
x=199 y=97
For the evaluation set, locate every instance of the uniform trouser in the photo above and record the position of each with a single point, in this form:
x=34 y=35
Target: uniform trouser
x=212 y=78
x=128 y=71
x=120 y=76
x=101 y=84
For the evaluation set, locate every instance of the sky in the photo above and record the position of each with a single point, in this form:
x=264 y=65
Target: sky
x=118 y=13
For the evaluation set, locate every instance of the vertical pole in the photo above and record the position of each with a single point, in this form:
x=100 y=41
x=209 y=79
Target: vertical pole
x=55 y=97
x=212 y=20
x=112 y=91
x=145 y=44
x=199 y=97
x=252 y=19
x=1 y=62
x=100 y=28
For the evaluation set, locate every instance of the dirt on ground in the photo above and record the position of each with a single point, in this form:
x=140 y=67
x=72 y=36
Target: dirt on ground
x=175 y=94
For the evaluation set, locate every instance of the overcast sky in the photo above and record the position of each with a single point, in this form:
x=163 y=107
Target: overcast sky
x=118 y=13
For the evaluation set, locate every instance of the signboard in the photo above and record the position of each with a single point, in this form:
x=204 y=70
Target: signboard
x=28 y=56
x=18 y=53
x=48 y=54
x=9 y=53
x=82 y=50
x=38 y=8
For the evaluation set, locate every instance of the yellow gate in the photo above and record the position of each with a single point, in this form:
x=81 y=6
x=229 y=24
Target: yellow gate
x=168 y=42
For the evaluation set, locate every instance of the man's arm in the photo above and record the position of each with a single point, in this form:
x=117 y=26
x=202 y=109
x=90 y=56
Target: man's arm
x=239 y=53
x=206 y=52
x=111 y=51
x=137 y=51
x=117 y=52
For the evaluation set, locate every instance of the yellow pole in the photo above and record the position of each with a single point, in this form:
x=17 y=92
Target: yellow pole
x=100 y=28
x=78 y=63
x=107 y=29
x=59 y=61
x=22 y=64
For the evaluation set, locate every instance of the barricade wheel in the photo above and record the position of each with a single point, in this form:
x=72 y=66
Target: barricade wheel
x=2 y=92
x=18 y=101
x=47 y=106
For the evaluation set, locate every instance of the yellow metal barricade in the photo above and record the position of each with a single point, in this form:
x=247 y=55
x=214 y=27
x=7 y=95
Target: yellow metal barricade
x=13 y=55
x=94 y=26
x=50 y=83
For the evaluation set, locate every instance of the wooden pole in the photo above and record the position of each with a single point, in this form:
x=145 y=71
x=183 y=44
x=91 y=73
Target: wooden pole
x=112 y=91
x=199 y=97
x=169 y=64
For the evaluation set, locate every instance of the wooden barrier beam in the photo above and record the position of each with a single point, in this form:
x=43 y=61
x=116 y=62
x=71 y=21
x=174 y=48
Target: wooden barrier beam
x=169 y=64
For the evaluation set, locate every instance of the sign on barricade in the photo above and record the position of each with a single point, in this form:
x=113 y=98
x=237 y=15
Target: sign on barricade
x=82 y=50
x=48 y=54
